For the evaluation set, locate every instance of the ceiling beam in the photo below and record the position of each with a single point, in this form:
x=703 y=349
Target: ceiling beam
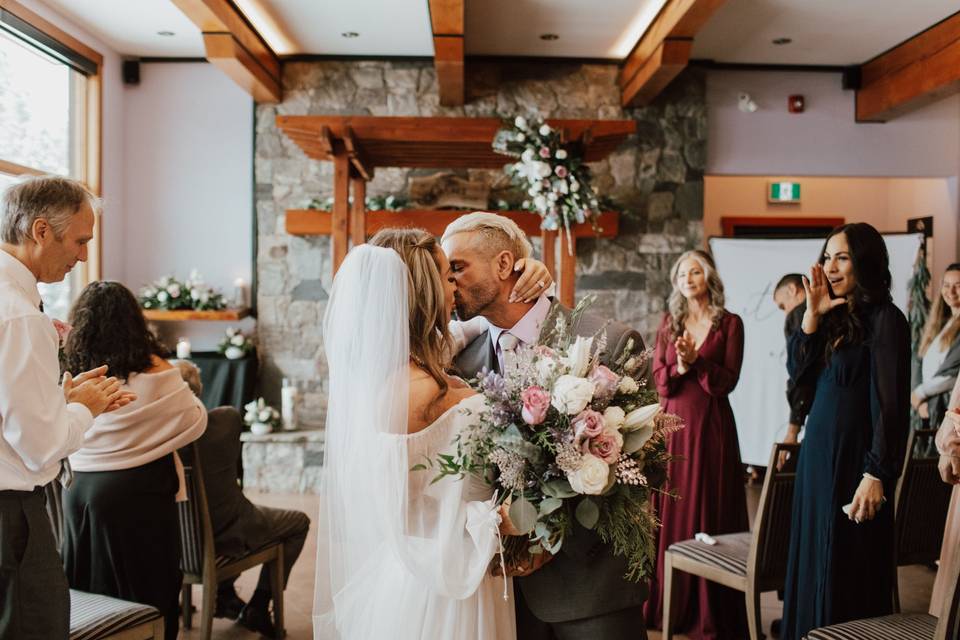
x=920 y=71
x=234 y=46
x=446 y=22
x=659 y=54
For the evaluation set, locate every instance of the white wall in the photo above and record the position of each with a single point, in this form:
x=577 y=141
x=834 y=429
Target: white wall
x=188 y=145
x=114 y=220
x=824 y=140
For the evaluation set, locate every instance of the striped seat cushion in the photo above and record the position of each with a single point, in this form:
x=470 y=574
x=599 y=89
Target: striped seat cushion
x=730 y=553
x=914 y=626
x=93 y=616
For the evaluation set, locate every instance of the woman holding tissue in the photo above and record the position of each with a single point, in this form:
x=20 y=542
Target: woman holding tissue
x=696 y=365
x=856 y=344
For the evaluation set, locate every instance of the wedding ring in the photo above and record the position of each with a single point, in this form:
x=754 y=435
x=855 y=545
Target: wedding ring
x=540 y=284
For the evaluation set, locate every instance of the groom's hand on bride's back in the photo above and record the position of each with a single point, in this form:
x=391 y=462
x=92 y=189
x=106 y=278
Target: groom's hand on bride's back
x=531 y=563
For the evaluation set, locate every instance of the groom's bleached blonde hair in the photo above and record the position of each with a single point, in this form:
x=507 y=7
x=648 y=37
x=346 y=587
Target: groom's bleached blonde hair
x=495 y=234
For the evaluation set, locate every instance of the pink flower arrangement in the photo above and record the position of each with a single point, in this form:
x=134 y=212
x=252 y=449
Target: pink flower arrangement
x=605 y=381
x=544 y=152
x=588 y=424
x=606 y=445
x=63 y=330
x=536 y=403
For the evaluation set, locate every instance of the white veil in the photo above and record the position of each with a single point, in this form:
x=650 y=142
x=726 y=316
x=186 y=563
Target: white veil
x=370 y=515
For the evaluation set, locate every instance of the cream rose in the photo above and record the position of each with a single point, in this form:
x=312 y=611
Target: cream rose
x=613 y=417
x=571 y=394
x=591 y=478
x=628 y=385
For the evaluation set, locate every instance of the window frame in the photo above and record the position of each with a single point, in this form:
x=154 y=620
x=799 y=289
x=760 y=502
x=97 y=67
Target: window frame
x=91 y=123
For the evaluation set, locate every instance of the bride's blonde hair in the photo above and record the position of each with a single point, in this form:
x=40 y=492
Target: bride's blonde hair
x=429 y=337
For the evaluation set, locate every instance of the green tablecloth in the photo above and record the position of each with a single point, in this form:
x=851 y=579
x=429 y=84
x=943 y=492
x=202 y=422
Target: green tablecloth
x=226 y=382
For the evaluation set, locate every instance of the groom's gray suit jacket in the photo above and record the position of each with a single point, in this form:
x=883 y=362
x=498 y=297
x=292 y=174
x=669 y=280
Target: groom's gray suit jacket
x=585 y=579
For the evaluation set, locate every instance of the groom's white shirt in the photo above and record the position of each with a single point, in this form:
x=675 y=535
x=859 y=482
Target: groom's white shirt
x=527 y=329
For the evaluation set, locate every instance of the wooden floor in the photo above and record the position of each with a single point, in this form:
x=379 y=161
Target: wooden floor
x=915 y=582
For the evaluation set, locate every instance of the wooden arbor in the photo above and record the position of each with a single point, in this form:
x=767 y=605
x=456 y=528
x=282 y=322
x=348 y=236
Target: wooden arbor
x=358 y=144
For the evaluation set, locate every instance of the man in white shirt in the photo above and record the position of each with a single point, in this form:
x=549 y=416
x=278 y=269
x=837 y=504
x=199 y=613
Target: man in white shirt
x=45 y=225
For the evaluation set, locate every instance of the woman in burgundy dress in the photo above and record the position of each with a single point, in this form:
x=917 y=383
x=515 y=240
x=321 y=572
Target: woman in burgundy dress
x=696 y=365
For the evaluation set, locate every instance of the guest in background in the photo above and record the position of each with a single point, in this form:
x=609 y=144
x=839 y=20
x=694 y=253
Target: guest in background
x=939 y=350
x=696 y=365
x=121 y=532
x=858 y=344
x=948 y=445
x=239 y=526
x=45 y=225
x=790 y=297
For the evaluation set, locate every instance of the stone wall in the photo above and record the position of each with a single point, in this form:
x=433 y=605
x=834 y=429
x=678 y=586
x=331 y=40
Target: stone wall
x=656 y=178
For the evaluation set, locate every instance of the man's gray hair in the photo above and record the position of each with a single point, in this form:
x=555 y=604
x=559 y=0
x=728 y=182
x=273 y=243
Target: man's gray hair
x=498 y=233
x=54 y=198
x=190 y=374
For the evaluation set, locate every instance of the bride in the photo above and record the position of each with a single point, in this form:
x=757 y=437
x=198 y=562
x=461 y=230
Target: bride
x=400 y=556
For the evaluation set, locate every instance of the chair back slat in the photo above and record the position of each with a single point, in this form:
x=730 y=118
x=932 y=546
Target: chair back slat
x=191 y=524
x=771 y=531
x=921 y=505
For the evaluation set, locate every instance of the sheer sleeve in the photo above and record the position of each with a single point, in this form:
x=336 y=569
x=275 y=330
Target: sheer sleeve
x=804 y=355
x=889 y=393
x=463 y=333
x=665 y=374
x=720 y=378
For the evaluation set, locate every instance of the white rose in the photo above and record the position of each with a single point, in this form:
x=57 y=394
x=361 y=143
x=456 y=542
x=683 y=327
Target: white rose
x=628 y=385
x=195 y=294
x=578 y=356
x=574 y=187
x=540 y=202
x=571 y=394
x=238 y=340
x=546 y=369
x=552 y=197
x=545 y=130
x=233 y=353
x=544 y=169
x=613 y=418
x=520 y=122
x=561 y=154
x=264 y=415
x=527 y=155
x=640 y=418
x=174 y=290
x=520 y=137
x=535 y=188
x=250 y=406
x=205 y=297
x=592 y=476
x=163 y=296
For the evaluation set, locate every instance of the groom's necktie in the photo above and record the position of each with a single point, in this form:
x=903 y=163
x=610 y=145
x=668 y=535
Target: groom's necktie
x=508 y=344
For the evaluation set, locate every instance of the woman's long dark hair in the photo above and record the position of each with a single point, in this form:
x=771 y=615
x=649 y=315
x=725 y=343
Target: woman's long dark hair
x=109 y=328
x=871 y=271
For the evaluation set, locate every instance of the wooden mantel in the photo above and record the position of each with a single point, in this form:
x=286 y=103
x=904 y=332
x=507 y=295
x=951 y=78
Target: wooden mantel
x=357 y=145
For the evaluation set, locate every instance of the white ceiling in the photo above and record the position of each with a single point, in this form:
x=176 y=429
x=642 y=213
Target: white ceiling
x=824 y=32
x=827 y=32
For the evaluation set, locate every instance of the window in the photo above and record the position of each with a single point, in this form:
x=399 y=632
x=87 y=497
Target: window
x=49 y=120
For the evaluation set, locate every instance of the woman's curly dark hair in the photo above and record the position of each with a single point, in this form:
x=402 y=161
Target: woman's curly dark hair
x=109 y=328
x=871 y=271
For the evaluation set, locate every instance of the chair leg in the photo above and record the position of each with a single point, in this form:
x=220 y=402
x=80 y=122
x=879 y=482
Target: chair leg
x=209 y=605
x=754 y=624
x=157 y=629
x=276 y=587
x=667 y=596
x=896 y=590
x=186 y=605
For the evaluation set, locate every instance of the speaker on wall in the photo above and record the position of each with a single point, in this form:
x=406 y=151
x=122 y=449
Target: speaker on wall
x=131 y=72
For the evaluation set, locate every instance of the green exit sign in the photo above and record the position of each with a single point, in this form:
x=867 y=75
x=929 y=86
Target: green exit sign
x=784 y=192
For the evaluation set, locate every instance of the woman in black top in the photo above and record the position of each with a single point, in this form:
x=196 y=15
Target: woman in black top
x=856 y=344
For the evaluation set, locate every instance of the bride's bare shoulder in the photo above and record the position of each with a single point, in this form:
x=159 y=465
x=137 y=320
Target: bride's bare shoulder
x=424 y=407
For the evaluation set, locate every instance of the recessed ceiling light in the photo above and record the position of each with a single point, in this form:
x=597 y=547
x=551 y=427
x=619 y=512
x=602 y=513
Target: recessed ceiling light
x=349 y=34
x=166 y=34
x=782 y=41
x=549 y=36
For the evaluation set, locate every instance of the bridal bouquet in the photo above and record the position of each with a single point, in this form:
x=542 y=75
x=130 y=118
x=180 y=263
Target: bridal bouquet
x=566 y=437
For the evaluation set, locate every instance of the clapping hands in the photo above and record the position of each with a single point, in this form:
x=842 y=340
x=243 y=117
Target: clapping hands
x=686 y=351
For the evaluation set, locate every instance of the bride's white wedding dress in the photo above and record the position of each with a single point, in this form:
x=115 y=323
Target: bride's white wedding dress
x=399 y=556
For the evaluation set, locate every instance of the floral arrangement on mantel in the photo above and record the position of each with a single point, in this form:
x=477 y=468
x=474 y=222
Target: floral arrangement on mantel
x=261 y=417
x=552 y=175
x=372 y=203
x=170 y=294
x=235 y=344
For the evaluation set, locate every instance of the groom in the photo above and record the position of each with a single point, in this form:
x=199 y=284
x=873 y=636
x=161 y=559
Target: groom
x=581 y=594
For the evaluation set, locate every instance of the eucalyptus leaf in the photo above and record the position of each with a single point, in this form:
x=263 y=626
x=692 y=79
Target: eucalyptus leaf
x=512 y=440
x=541 y=531
x=588 y=513
x=552 y=548
x=559 y=489
x=550 y=505
x=634 y=441
x=523 y=515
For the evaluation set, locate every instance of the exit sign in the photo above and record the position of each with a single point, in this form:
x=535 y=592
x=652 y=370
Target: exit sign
x=784 y=192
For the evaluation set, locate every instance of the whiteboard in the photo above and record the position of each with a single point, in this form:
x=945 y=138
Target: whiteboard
x=750 y=269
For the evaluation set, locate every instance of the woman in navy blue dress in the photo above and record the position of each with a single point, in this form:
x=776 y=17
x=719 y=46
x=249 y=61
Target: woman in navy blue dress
x=856 y=343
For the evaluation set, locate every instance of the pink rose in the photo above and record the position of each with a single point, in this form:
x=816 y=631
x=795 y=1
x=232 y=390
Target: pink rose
x=606 y=445
x=587 y=424
x=63 y=330
x=536 y=402
x=605 y=381
x=561 y=171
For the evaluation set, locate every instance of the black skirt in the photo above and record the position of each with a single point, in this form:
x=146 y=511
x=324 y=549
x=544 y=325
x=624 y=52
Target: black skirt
x=121 y=536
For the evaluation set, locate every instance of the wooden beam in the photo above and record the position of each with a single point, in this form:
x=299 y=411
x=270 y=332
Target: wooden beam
x=341 y=204
x=669 y=59
x=549 y=253
x=568 y=270
x=238 y=49
x=357 y=157
x=446 y=22
x=678 y=20
x=358 y=210
x=924 y=69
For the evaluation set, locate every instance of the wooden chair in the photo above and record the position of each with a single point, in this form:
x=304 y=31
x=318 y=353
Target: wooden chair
x=200 y=563
x=749 y=562
x=922 y=501
x=904 y=626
